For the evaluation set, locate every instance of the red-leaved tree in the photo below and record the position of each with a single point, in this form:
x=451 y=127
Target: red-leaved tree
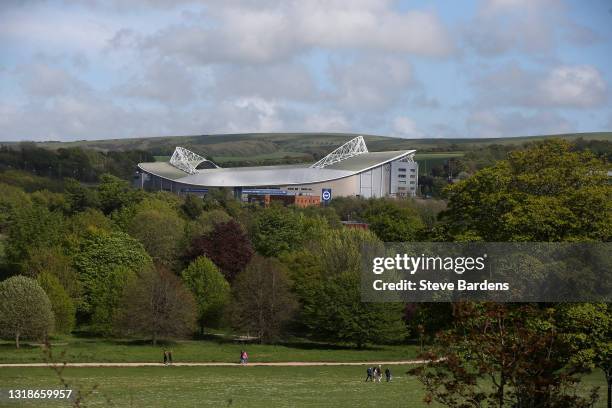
x=227 y=245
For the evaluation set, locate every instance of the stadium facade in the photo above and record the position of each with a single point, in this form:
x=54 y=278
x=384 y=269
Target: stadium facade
x=350 y=170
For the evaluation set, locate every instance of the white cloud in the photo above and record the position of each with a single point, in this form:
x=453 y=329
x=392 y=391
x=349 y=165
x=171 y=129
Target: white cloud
x=326 y=122
x=168 y=83
x=370 y=84
x=403 y=126
x=569 y=86
x=41 y=79
x=578 y=86
x=250 y=33
x=501 y=26
x=283 y=81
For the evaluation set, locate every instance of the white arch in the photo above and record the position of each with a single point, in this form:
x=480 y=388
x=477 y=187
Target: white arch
x=351 y=148
x=187 y=160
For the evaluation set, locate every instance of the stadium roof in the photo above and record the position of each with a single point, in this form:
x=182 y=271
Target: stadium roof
x=276 y=175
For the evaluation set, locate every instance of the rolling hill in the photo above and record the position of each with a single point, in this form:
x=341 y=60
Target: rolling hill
x=300 y=146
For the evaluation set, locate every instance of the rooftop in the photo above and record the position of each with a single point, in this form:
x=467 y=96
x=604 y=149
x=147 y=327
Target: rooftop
x=351 y=158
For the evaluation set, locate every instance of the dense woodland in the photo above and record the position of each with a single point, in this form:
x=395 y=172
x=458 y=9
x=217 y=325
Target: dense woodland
x=88 y=254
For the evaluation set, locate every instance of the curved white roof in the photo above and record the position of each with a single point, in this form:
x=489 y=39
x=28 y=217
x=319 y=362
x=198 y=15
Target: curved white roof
x=274 y=175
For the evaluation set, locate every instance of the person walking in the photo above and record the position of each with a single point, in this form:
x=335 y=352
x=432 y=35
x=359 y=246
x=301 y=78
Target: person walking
x=246 y=358
x=388 y=374
x=165 y=357
x=369 y=372
x=241 y=357
x=378 y=373
x=170 y=357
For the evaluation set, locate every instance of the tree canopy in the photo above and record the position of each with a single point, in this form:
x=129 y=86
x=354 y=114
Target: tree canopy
x=25 y=309
x=545 y=193
x=210 y=289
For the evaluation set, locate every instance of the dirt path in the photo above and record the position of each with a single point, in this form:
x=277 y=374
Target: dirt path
x=213 y=364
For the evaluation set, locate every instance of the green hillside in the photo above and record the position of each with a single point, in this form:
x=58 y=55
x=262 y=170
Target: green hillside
x=297 y=145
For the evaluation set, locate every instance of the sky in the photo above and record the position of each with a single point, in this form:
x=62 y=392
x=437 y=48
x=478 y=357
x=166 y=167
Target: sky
x=72 y=70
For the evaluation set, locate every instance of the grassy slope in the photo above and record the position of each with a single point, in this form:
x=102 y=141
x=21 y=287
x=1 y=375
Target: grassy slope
x=97 y=350
x=250 y=144
x=232 y=386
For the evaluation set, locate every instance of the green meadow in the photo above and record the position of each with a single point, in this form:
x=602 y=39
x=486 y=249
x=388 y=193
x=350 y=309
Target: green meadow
x=152 y=387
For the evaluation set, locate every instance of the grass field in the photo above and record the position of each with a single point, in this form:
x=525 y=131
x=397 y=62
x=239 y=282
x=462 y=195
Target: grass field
x=229 y=387
x=99 y=350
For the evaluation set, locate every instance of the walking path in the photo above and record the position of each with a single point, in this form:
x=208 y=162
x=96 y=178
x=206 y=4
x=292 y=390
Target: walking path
x=215 y=364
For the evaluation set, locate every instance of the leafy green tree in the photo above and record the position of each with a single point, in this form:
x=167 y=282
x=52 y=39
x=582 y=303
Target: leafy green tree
x=32 y=228
x=276 y=230
x=587 y=329
x=90 y=218
x=349 y=208
x=210 y=289
x=11 y=198
x=80 y=197
x=156 y=304
x=544 y=193
x=193 y=206
x=393 y=221
x=205 y=223
x=332 y=309
x=54 y=261
x=115 y=193
x=105 y=263
x=160 y=230
x=262 y=302
x=62 y=306
x=25 y=309
x=52 y=201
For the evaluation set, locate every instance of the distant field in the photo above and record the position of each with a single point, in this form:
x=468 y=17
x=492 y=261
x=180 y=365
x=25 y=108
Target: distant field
x=260 y=157
x=101 y=350
x=266 y=387
x=440 y=155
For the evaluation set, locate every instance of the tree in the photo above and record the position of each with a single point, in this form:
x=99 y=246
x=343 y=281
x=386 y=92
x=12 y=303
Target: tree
x=277 y=230
x=193 y=206
x=32 y=228
x=156 y=304
x=210 y=289
x=332 y=309
x=587 y=329
x=55 y=261
x=160 y=230
x=545 y=193
x=205 y=223
x=61 y=304
x=105 y=262
x=11 y=198
x=501 y=355
x=80 y=197
x=262 y=301
x=115 y=193
x=227 y=246
x=393 y=221
x=25 y=309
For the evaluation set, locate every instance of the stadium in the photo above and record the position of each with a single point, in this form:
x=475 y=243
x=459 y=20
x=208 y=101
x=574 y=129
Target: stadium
x=349 y=170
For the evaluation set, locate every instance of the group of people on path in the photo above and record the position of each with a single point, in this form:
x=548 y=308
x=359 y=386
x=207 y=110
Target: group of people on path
x=374 y=374
x=167 y=357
